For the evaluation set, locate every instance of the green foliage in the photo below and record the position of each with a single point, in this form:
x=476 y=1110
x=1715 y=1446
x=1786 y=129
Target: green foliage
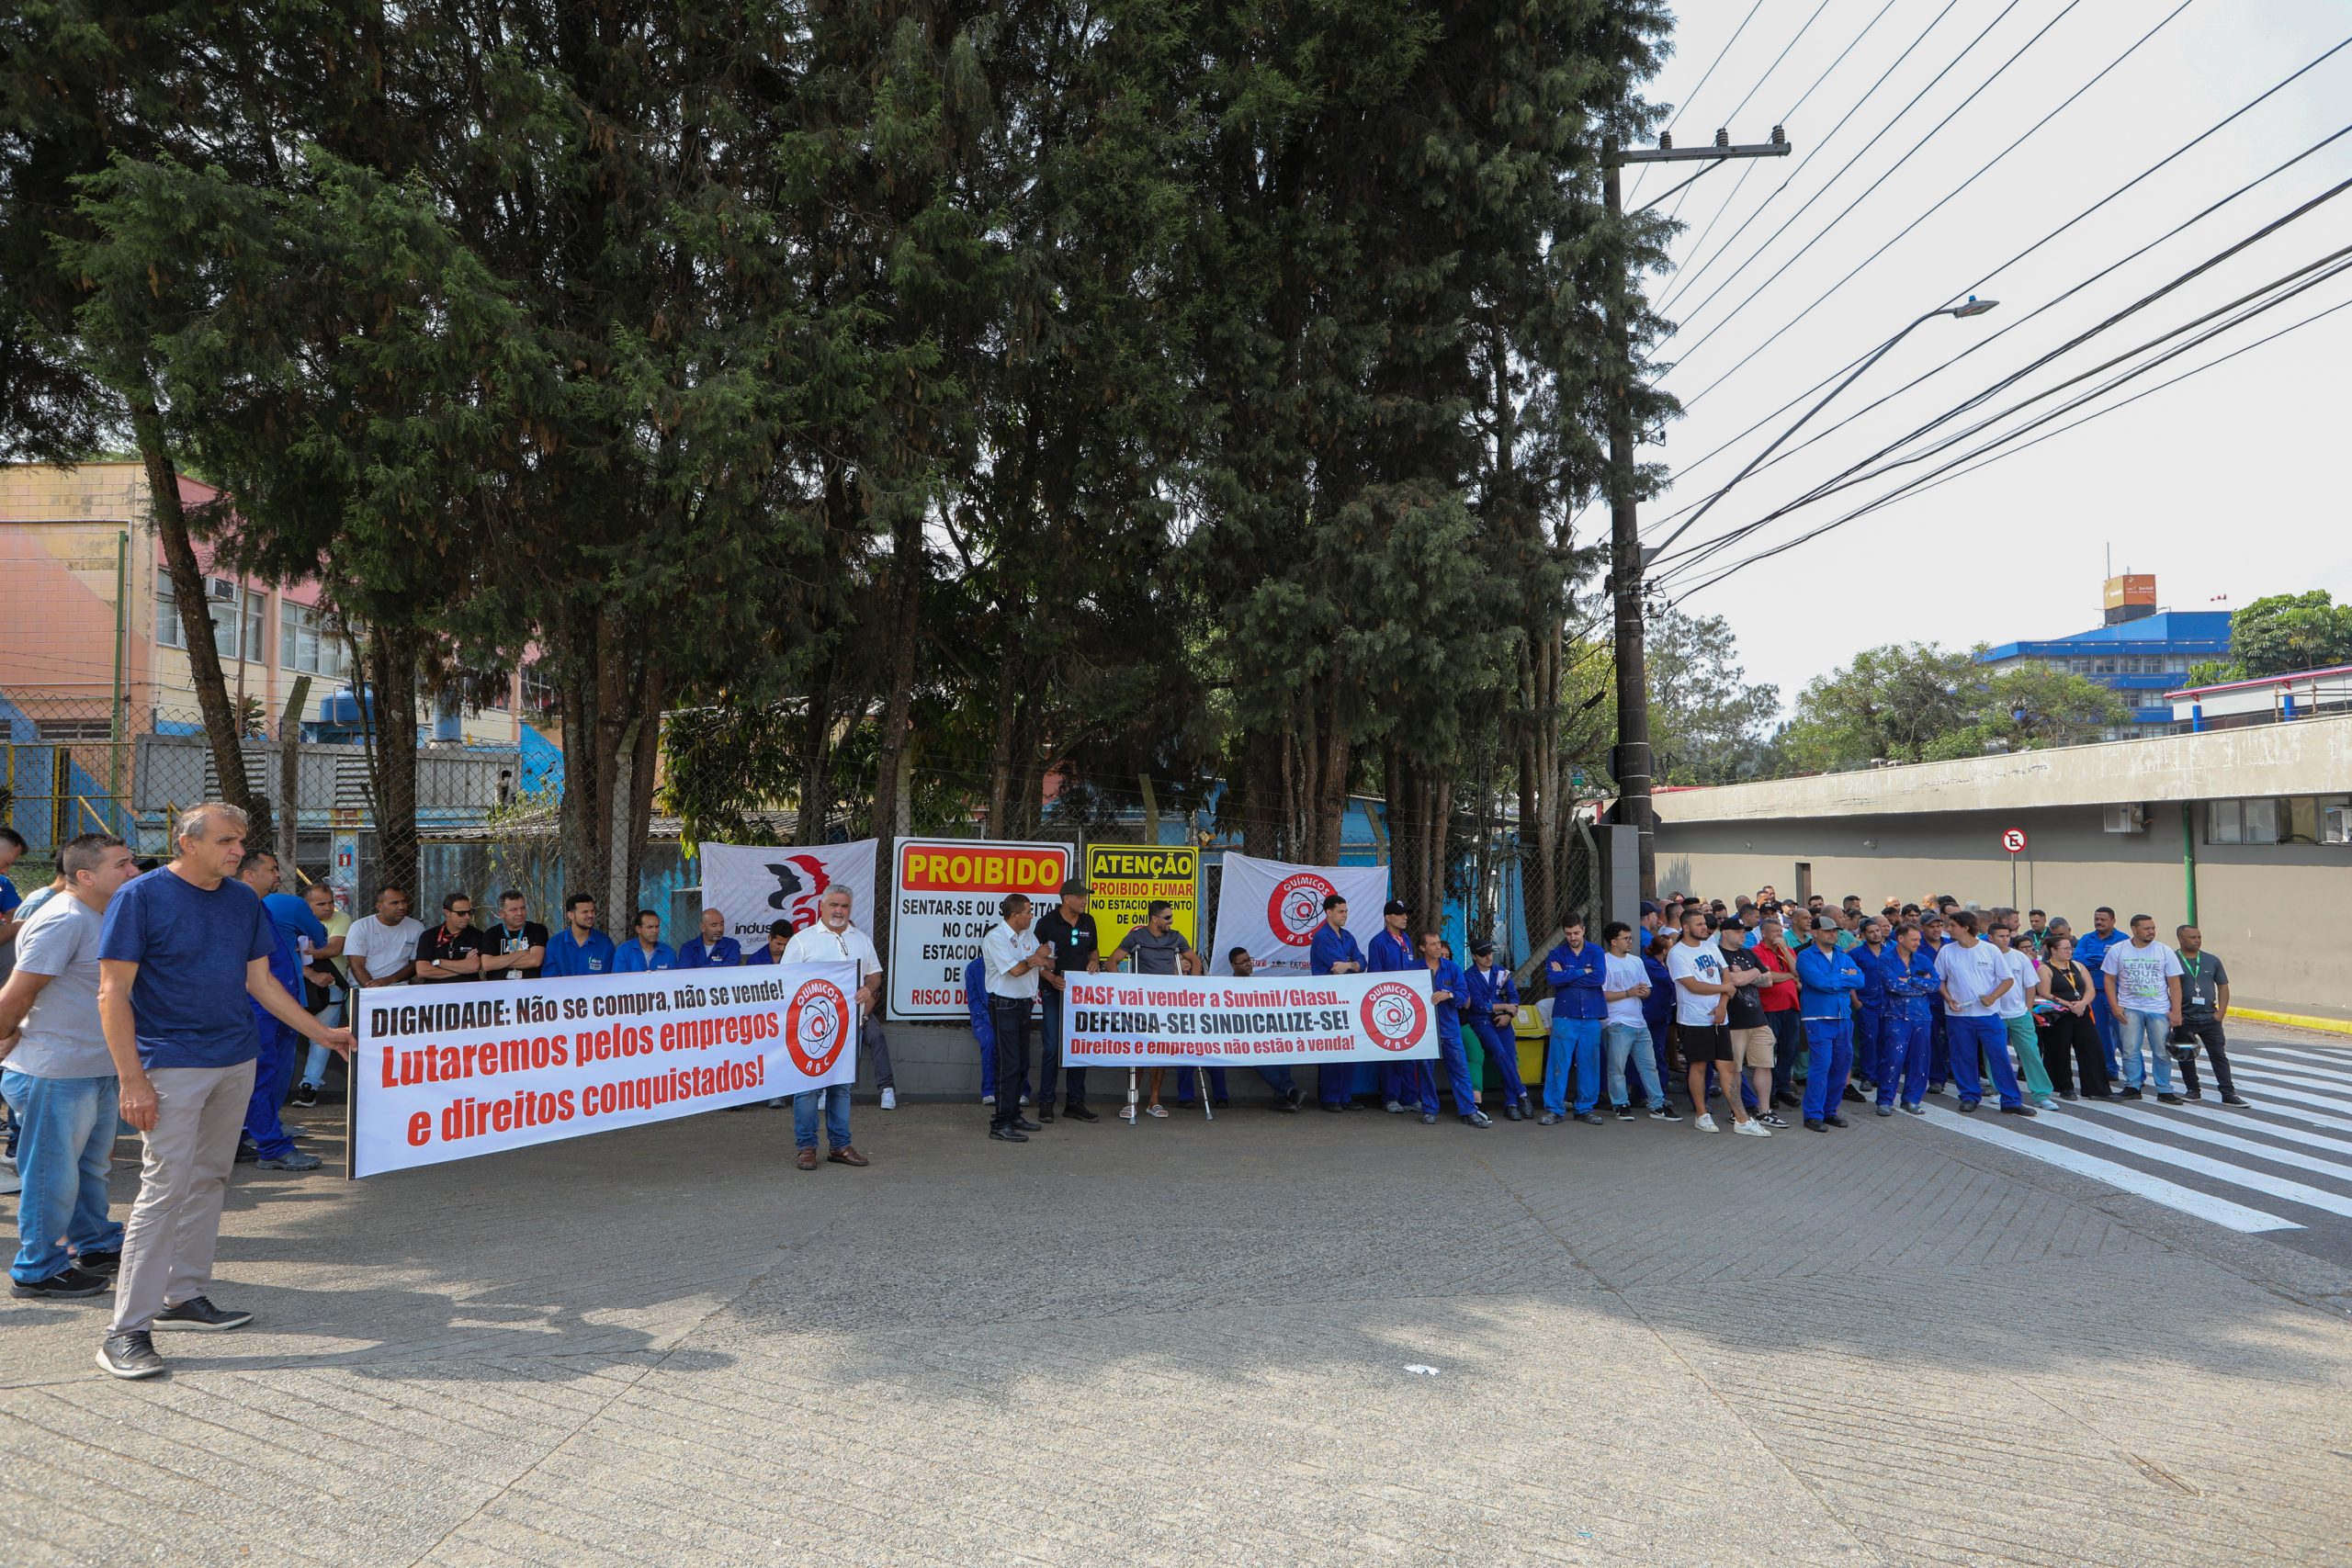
x=1921 y=702
x=2286 y=632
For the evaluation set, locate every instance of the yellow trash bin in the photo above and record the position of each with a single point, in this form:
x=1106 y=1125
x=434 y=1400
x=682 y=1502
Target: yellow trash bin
x=1530 y=1033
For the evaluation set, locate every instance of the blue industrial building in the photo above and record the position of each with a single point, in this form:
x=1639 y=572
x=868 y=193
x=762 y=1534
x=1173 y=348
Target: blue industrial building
x=2141 y=651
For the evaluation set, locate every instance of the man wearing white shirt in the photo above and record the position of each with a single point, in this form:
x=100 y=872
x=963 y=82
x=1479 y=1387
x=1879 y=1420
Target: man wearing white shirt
x=381 y=949
x=1011 y=958
x=1975 y=976
x=2142 y=986
x=1625 y=981
x=833 y=940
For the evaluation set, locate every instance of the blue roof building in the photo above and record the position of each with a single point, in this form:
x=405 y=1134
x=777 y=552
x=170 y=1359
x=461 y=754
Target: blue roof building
x=2144 y=658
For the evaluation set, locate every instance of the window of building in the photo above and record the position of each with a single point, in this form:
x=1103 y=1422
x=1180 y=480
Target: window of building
x=69 y=731
x=539 y=694
x=2242 y=821
x=226 y=601
x=307 y=641
x=257 y=626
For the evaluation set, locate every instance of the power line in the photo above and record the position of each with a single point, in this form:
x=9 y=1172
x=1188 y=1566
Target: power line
x=1733 y=116
x=2151 y=169
x=1833 y=484
x=1803 y=163
x=2070 y=100
x=1847 y=210
x=1676 y=117
x=2341 y=262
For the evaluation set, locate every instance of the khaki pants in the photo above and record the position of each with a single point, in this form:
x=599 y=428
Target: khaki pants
x=176 y=1221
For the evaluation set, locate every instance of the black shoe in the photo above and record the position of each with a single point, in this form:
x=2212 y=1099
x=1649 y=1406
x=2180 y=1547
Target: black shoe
x=1429 y=1118
x=2068 y=1094
x=2019 y=1111
x=304 y=1094
x=1008 y=1135
x=1333 y=1108
x=2231 y=1100
x=1477 y=1118
x=131 y=1356
x=1287 y=1105
x=198 y=1312
x=1938 y=1088
x=1546 y=1119
x=68 y=1284
x=1295 y=1099
x=1968 y=1107
x=1220 y=1103
x=1025 y=1124
x=99 y=1262
x=1815 y=1124
x=1625 y=1113
x=247 y=1153
x=1046 y=1115
x=2130 y=1094
x=2168 y=1099
x=1079 y=1113
x=1786 y=1100
x=1853 y=1094
x=1835 y=1120
x=1589 y=1119
x=1512 y=1113
x=1911 y=1106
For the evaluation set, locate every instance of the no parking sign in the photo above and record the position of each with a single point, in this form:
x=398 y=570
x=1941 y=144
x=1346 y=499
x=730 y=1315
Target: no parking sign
x=2013 y=839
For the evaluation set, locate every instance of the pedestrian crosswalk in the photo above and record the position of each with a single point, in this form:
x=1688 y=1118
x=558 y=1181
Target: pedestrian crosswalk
x=2281 y=1162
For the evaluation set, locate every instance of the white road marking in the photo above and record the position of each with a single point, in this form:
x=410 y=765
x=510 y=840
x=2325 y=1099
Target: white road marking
x=2124 y=1178
x=2219 y=1171
x=2181 y=1127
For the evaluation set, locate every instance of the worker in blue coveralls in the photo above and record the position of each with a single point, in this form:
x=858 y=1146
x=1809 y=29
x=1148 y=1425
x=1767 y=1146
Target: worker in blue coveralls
x=713 y=948
x=1575 y=969
x=1489 y=1007
x=1334 y=951
x=1934 y=937
x=1870 y=1006
x=1393 y=951
x=1279 y=1077
x=1907 y=974
x=1827 y=981
x=1447 y=991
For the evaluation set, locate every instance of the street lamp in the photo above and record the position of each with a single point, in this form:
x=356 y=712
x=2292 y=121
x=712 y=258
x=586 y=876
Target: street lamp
x=1972 y=306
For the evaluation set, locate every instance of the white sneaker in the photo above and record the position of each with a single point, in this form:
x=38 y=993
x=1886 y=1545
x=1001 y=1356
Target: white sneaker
x=1751 y=1128
x=1706 y=1123
x=890 y=1099
x=1025 y=1099
x=988 y=1099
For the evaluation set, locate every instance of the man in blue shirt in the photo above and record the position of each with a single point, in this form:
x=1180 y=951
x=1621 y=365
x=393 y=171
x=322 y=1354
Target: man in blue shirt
x=292 y=924
x=1934 y=937
x=182 y=950
x=2090 y=951
x=1392 y=951
x=1489 y=1007
x=1575 y=969
x=1446 y=990
x=1870 y=1006
x=1908 y=973
x=714 y=948
x=580 y=948
x=1334 y=951
x=1827 y=981
x=646 y=954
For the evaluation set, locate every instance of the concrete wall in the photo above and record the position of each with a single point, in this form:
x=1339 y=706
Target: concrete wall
x=2268 y=910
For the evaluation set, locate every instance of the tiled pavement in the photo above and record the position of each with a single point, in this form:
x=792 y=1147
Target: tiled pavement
x=1189 y=1343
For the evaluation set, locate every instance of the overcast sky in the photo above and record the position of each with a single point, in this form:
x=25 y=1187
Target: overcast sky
x=2229 y=486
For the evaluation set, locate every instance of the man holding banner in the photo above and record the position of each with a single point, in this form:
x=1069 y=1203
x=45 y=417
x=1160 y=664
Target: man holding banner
x=1334 y=951
x=1392 y=951
x=833 y=940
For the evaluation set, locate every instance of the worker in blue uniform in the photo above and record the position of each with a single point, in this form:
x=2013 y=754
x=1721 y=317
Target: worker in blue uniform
x=1488 y=1010
x=1908 y=975
x=1827 y=981
x=1447 y=991
x=1393 y=951
x=1333 y=950
x=1575 y=969
x=1870 y=1006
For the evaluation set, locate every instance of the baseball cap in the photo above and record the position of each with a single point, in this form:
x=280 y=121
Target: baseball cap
x=1649 y=908
x=1075 y=885
x=1396 y=906
x=1482 y=950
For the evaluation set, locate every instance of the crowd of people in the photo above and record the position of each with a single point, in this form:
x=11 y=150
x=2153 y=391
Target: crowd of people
x=178 y=997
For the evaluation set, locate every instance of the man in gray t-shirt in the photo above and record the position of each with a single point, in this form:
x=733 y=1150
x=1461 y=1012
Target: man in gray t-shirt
x=61 y=1081
x=1158 y=948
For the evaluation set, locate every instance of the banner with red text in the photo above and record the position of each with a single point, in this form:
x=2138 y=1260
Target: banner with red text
x=448 y=1072
x=1272 y=908
x=1140 y=1019
x=945 y=894
x=754 y=885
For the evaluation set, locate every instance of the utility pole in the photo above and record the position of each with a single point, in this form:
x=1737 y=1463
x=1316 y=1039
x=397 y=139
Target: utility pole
x=1630 y=764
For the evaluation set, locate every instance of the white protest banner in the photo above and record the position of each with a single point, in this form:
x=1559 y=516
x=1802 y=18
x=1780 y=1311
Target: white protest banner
x=1272 y=908
x=943 y=899
x=451 y=1071
x=1141 y=1020
x=754 y=885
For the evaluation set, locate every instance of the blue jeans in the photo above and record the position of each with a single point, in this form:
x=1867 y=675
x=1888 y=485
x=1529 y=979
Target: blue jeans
x=1280 y=1078
x=1904 y=1074
x=1187 y=1078
x=1575 y=1041
x=1788 y=1033
x=64 y=1144
x=835 y=1101
x=314 y=1066
x=1661 y=1054
x=1971 y=1038
x=1502 y=1057
x=273 y=1079
x=2145 y=1034
x=1829 y=1059
x=1624 y=1042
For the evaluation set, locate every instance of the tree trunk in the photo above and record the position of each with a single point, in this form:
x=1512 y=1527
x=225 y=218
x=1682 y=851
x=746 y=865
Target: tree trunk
x=890 y=782
x=1007 y=703
x=221 y=731
x=388 y=712
x=1327 y=831
x=817 y=757
x=1151 y=797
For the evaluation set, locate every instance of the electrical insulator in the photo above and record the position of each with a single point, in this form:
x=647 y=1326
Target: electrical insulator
x=1665 y=141
x=1723 y=137
x=1779 y=137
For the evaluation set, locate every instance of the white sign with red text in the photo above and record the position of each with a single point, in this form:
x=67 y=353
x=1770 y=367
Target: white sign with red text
x=754 y=885
x=1272 y=908
x=451 y=1071
x=1217 y=1021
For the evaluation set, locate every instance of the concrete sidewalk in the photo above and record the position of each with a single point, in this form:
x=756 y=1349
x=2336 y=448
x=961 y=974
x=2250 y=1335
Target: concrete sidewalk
x=1187 y=1342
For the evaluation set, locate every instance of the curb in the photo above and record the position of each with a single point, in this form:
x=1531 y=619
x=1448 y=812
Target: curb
x=2296 y=1020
